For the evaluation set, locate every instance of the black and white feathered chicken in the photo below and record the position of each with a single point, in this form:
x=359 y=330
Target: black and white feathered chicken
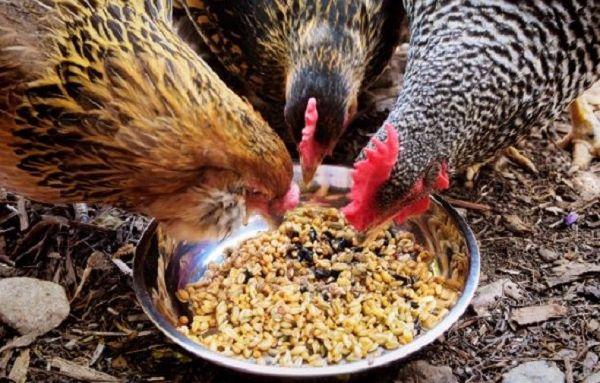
x=480 y=75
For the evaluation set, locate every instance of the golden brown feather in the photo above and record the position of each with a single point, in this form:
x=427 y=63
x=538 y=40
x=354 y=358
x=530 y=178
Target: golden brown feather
x=288 y=51
x=101 y=101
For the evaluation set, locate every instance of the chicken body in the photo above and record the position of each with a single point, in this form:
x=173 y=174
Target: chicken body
x=101 y=101
x=480 y=75
x=287 y=52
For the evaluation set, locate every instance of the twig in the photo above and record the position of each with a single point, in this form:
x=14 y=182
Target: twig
x=468 y=204
x=18 y=373
x=568 y=370
x=97 y=353
x=22 y=209
x=21 y=341
x=82 y=373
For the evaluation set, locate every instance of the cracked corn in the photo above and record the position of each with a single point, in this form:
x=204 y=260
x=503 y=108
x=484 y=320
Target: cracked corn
x=307 y=293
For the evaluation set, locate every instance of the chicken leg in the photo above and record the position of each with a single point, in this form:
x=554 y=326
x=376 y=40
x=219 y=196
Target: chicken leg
x=499 y=162
x=585 y=132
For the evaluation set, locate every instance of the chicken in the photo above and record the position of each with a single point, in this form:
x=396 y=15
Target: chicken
x=480 y=75
x=302 y=58
x=101 y=101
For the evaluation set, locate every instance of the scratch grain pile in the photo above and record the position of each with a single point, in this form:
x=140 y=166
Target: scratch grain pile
x=307 y=293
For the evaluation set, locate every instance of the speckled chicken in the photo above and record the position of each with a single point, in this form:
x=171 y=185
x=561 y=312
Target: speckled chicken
x=101 y=101
x=302 y=58
x=480 y=75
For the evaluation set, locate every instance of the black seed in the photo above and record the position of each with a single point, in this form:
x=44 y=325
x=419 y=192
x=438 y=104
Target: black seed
x=312 y=234
x=305 y=255
x=417 y=326
x=248 y=275
x=303 y=289
x=292 y=249
x=414 y=305
x=335 y=273
x=402 y=278
x=322 y=273
x=328 y=234
x=293 y=234
x=358 y=249
x=340 y=244
x=325 y=297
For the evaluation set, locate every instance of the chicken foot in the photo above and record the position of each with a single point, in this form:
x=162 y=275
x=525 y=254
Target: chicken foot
x=585 y=133
x=511 y=153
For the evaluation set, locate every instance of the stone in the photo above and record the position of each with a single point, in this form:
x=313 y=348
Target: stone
x=539 y=371
x=548 y=255
x=489 y=294
x=422 y=372
x=587 y=185
x=594 y=378
x=31 y=305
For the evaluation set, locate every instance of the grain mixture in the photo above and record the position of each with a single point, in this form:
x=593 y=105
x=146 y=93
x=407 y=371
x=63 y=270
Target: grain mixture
x=308 y=293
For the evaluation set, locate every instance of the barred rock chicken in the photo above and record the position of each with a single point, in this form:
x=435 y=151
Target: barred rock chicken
x=101 y=101
x=302 y=57
x=480 y=75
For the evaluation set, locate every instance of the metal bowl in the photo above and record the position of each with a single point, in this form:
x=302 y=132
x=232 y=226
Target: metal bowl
x=163 y=266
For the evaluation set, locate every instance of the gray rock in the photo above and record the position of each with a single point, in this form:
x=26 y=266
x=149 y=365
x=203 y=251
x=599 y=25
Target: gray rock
x=31 y=305
x=548 y=255
x=539 y=371
x=422 y=372
x=489 y=294
x=594 y=378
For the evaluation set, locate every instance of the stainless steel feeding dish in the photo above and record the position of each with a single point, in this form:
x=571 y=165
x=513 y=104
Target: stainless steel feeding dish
x=162 y=267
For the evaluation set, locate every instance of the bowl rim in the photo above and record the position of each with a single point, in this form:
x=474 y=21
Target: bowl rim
x=241 y=365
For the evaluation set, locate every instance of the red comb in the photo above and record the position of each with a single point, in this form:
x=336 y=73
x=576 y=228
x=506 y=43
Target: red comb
x=368 y=176
x=306 y=147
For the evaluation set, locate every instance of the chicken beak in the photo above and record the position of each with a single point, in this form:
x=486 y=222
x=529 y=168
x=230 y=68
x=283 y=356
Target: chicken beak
x=308 y=173
x=310 y=166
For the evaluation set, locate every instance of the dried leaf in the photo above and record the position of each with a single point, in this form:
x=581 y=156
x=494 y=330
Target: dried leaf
x=4 y=359
x=534 y=314
x=20 y=341
x=79 y=372
x=516 y=224
x=97 y=353
x=18 y=373
x=124 y=251
x=119 y=363
x=571 y=271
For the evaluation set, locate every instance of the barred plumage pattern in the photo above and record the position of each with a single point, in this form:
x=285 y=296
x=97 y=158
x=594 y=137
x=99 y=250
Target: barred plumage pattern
x=483 y=73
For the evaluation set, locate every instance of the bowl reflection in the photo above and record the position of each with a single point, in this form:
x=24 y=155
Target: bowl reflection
x=163 y=266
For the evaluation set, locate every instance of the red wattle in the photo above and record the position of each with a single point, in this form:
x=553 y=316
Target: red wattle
x=289 y=201
x=415 y=208
x=368 y=176
x=443 y=180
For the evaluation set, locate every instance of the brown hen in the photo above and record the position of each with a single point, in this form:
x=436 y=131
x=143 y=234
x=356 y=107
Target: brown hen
x=288 y=52
x=101 y=101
